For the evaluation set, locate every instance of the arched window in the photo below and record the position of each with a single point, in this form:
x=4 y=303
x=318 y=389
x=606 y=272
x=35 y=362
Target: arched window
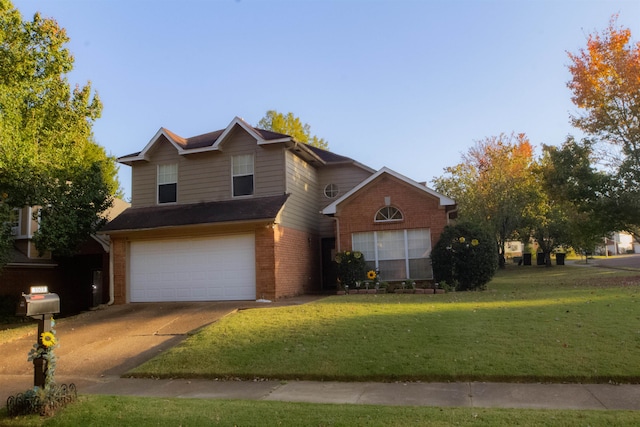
x=388 y=213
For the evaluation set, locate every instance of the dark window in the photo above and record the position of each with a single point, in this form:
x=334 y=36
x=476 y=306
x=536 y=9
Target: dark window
x=242 y=174
x=167 y=183
x=167 y=193
x=243 y=185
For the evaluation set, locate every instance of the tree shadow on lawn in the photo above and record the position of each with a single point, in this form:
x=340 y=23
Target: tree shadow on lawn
x=591 y=337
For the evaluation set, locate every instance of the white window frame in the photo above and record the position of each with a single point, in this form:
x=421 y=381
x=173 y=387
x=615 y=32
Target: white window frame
x=388 y=215
x=357 y=238
x=243 y=169
x=331 y=191
x=167 y=174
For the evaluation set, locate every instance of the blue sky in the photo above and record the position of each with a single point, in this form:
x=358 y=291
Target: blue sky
x=410 y=85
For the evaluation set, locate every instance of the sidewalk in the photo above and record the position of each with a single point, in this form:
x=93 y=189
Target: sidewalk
x=137 y=332
x=474 y=394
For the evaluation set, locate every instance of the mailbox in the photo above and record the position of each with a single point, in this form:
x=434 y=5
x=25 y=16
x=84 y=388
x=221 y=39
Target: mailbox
x=38 y=304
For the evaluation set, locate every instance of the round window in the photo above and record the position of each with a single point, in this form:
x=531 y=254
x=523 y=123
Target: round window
x=331 y=191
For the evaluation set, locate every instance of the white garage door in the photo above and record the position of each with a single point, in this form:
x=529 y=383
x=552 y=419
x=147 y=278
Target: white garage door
x=207 y=269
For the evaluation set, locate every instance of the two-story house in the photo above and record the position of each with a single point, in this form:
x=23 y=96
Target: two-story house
x=243 y=213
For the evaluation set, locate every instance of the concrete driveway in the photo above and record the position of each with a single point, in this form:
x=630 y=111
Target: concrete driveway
x=110 y=341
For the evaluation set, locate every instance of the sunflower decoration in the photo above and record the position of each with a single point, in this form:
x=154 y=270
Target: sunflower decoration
x=371 y=274
x=461 y=240
x=48 y=339
x=475 y=242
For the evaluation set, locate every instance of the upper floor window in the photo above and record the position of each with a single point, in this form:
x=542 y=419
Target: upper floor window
x=168 y=183
x=388 y=213
x=14 y=221
x=331 y=191
x=242 y=175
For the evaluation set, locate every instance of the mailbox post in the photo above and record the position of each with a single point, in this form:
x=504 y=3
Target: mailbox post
x=40 y=305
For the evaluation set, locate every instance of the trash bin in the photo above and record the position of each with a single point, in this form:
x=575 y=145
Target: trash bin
x=540 y=258
x=526 y=259
x=560 y=258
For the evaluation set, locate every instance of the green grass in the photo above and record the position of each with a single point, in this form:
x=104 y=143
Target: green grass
x=14 y=332
x=565 y=324
x=139 y=412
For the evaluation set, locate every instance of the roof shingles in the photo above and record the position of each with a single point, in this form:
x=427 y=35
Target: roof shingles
x=261 y=208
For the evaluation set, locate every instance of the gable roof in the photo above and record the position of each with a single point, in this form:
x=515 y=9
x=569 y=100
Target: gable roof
x=444 y=200
x=329 y=158
x=137 y=219
x=206 y=142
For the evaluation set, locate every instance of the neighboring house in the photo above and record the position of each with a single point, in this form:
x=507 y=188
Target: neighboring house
x=243 y=213
x=620 y=243
x=82 y=281
x=514 y=249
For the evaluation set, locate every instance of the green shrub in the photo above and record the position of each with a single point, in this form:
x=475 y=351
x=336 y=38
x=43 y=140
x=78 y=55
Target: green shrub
x=351 y=268
x=465 y=257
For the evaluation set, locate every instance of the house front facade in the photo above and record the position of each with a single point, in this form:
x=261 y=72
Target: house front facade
x=243 y=213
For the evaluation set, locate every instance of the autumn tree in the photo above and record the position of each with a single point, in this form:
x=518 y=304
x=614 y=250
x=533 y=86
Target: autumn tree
x=48 y=156
x=605 y=85
x=291 y=125
x=494 y=186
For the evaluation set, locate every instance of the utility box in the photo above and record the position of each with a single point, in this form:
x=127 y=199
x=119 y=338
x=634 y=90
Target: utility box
x=37 y=304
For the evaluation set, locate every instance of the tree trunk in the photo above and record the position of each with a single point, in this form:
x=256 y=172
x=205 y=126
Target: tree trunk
x=502 y=262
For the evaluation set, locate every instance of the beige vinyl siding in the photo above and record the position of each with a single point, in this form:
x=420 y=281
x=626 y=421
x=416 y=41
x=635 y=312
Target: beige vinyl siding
x=269 y=170
x=345 y=177
x=206 y=176
x=197 y=174
x=268 y=164
x=30 y=217
x=144 y=175
x=25 y=229
x=302 y=210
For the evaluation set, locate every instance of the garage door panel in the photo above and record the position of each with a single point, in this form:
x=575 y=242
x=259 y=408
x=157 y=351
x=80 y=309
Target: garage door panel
x=220 y=268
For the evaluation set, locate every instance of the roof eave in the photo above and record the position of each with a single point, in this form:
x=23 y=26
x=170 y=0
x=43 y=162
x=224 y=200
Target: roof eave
x=273 y=141
x=240 y=122
x=198 y=150
x=129 y=160
x=189 y=226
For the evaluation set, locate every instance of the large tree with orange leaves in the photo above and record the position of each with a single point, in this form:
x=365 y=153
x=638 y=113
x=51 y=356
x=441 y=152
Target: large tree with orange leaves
x=495 y=185
x=606 y=87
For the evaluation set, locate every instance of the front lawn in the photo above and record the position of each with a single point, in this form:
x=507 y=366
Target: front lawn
x=120 y=411
x=565 y=324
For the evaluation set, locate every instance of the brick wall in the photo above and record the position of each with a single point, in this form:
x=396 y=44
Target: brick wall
x=119 y=259
x=265 y=258
x=420 y=210
x=297 y=262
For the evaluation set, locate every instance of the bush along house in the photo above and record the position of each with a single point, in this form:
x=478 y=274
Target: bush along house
x=243 y=213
